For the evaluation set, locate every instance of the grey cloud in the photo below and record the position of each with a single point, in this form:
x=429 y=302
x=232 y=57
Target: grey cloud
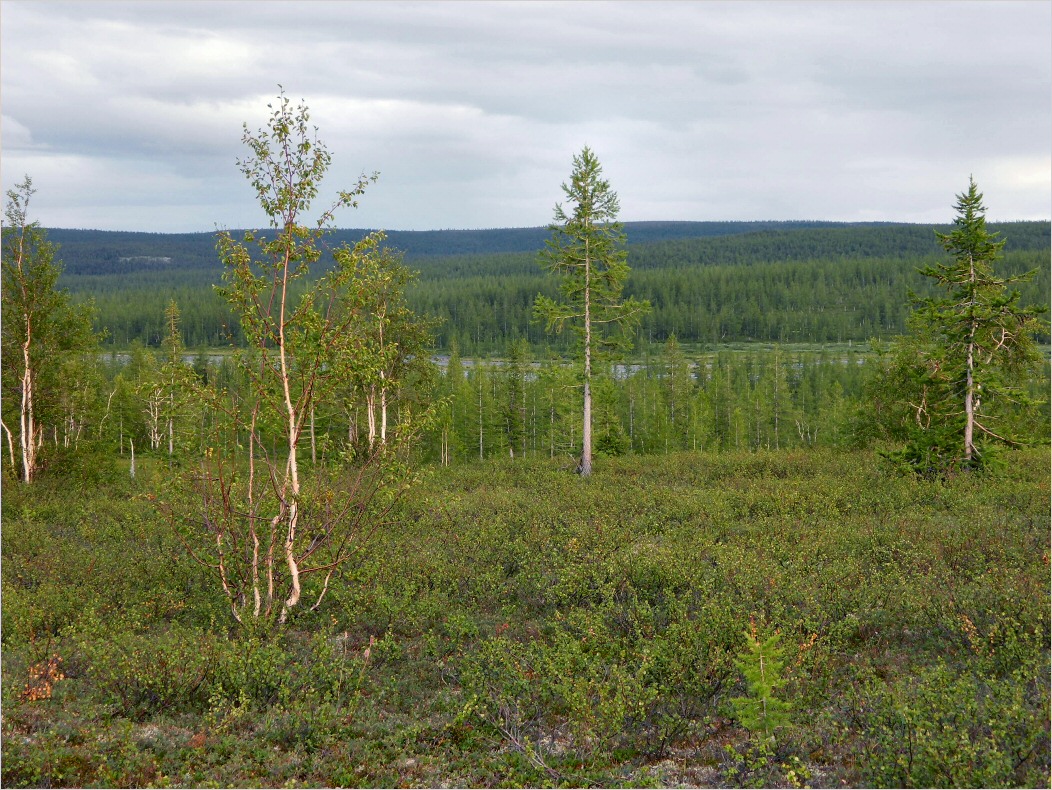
x=472 y=110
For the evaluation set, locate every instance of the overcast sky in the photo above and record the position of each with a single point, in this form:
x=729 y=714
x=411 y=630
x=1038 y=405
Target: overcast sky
x=128 y=115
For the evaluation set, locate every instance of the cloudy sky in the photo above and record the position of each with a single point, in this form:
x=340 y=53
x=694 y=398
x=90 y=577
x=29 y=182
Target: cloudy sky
x=128 y=115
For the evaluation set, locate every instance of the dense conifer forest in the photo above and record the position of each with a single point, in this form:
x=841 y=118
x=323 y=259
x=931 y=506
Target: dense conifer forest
x=709 y=283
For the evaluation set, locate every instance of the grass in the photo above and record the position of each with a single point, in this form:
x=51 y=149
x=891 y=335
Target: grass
x=522 y=626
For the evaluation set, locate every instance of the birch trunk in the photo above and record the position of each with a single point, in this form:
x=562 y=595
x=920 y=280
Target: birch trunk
x=10 y=444
x=383 y=410
x=26 y=422
x=370 y=413
x=292 y=485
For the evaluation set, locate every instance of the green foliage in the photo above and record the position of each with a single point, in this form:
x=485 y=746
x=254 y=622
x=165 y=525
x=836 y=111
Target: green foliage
x=761 y=712
x=590 y=636
x=707 y=282
x=138 y=675
x=962 y=373
x=587 y=253
x=953 y=728
x=43 y=334
x=260 y=523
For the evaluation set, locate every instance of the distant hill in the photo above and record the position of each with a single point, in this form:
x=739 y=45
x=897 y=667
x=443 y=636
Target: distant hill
x=95 y=252
x=708 y=282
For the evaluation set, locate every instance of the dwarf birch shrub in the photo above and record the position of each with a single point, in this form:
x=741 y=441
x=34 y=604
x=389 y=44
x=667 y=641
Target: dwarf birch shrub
x=953 y=728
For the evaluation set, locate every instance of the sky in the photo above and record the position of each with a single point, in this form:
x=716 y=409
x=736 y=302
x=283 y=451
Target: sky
x=129 y=115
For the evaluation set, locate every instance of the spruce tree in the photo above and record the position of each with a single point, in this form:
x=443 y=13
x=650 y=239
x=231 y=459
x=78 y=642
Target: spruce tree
x=962 y=372
x=587 y=252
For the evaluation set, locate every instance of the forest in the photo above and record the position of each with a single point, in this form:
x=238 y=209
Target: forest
x=709 y=283
x=596 y=505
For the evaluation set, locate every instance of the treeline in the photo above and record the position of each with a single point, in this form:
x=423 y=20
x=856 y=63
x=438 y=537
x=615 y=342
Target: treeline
x=802 y=284
x=119 y=252
x=766 y=398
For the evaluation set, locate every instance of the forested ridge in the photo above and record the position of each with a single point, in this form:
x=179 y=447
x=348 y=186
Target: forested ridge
x=113 y=252
x=708 y=282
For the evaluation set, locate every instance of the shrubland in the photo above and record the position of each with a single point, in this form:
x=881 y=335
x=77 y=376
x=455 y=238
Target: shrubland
x=518 y=625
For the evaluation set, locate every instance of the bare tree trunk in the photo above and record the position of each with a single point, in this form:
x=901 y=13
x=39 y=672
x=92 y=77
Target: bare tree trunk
x=551 y=426
x=969 y=406
x=586 y=433
x=292 y=485
x=383 y=409
x=26 y=422
x=253 y=529
x=370 y=413
x=153 y=414
x=10 y=444
x=969 y=388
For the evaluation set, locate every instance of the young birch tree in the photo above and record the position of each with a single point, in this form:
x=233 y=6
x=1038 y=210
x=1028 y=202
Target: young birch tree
x=271 y=524
x=41 y=328
x=587 y=253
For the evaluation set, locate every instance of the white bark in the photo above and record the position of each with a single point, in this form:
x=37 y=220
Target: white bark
x=586 y=433
x=370 y=413
x=26 y=422
x=292 y=487
x=10 y=444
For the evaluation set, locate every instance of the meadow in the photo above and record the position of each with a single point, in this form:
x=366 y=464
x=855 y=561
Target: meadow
x=517 y=625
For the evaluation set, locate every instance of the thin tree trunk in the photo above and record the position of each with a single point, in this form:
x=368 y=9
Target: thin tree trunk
x=313 y=440
x=252 y=528
x=10 y=444
x=27 y=425
x=370 y=411
x=383 y=410
x=109 y=401
x=481 y=457
x=292 y=466
x=586 y=432
x=969 y=384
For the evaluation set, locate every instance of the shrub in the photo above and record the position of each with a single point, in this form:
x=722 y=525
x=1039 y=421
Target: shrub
x=953 y=728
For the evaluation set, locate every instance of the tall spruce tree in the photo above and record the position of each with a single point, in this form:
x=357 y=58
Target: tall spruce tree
x=970 y=353
x=587 y=253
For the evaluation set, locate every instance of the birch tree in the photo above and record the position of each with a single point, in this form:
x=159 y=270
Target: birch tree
x=267 y=524
x=586 y=252
x=41 y=328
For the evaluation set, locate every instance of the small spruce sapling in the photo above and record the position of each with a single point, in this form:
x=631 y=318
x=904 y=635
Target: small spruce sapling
x=761 y=712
